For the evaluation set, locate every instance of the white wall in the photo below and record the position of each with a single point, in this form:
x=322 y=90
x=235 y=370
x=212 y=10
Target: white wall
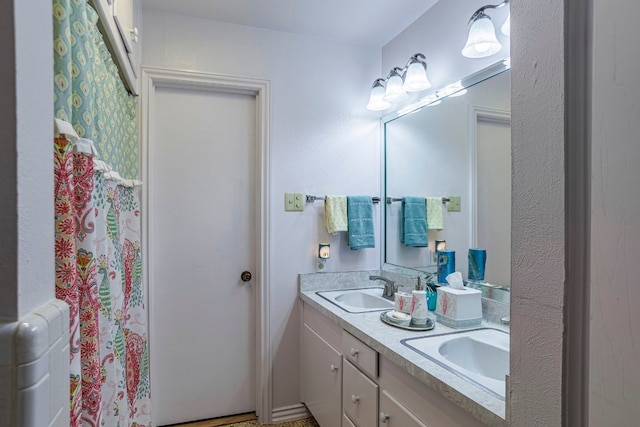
x=26 y=237
x=614 y=356
x=323 y=141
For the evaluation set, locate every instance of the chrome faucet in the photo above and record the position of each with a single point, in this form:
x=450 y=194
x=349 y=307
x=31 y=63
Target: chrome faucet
x=390 y=287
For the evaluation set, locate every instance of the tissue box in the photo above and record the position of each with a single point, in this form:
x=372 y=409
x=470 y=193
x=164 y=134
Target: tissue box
x=459 y=308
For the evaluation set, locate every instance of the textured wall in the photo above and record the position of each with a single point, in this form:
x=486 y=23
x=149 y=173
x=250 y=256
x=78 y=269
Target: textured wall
x=26 y=237
x=538 y=229
x=614 y=357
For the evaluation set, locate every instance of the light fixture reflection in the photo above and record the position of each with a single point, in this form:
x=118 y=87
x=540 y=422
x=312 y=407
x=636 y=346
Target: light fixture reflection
x=453 y=90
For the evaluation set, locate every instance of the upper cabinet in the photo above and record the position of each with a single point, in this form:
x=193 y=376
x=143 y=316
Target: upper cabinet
x=120 y=26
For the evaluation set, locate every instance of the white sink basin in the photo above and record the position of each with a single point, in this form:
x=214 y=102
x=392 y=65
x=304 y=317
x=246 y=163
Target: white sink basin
x=358 y=300
x=480 y=356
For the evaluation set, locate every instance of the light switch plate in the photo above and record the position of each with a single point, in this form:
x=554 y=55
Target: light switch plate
x=293 y=202
x=454 y=204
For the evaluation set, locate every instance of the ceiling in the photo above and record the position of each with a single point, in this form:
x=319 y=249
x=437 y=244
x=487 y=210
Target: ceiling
x=363 y=22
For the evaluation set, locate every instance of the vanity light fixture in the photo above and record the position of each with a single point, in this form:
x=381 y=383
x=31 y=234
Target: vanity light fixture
x=395 y=91
x=482 y=40
x=506 y=27
x=410 y=78
x=415 y=79
x=376 y=100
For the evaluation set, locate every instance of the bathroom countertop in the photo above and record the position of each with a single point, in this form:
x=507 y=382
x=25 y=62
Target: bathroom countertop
x=385 y=339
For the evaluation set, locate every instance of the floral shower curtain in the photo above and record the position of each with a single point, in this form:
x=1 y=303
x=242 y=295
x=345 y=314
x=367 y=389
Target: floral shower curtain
x=97 y=228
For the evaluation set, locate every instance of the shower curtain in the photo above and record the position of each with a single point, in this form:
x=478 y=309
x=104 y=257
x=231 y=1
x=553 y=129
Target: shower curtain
x=97 y=227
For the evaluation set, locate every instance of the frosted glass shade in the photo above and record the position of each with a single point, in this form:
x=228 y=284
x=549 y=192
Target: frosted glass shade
x=376 y=100
x=482 y=41
x=506 y=27
x=395 y=92
x=416 y=78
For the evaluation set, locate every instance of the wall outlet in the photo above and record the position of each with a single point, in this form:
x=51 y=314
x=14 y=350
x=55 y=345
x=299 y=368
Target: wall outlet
x=455 y=203
x=293 y=202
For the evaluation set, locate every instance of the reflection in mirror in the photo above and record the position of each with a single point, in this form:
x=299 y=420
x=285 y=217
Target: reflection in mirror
x=460 y=146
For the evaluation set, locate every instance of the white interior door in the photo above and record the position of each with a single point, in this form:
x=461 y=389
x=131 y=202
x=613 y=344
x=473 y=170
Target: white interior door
x=493 y=182
x=202 y=232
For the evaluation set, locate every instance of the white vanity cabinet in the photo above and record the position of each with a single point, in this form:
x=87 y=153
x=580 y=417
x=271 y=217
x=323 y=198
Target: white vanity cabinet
x=322 y=370
x=120 y=26
x=347 y=383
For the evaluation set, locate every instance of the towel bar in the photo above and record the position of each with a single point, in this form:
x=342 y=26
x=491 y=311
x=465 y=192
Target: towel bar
x=399 y=199
x=310 y=199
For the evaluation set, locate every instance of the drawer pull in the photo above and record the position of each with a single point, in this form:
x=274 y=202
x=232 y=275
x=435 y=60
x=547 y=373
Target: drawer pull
x=354 y=352
x=333 y=368
x=383 y=417
x=354 y=398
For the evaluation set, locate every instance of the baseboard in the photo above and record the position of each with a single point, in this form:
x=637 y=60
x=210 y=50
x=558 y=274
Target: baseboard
x=289 y=413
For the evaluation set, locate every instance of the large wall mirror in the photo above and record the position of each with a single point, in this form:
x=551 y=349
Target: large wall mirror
x=459 y=145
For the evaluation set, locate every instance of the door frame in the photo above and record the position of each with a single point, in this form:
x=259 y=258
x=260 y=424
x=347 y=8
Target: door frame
x=154 y=78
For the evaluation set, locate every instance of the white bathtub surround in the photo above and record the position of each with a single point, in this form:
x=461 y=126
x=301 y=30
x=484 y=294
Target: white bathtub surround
x=34 y=368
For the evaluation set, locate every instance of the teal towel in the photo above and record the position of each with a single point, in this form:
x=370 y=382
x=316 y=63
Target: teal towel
x=360 y=222
x=413 y=222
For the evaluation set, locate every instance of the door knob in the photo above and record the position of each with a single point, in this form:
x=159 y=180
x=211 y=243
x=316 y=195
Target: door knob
x=245 y=276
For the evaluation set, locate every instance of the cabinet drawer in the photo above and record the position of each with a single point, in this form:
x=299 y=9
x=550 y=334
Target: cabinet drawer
x=360 y=396
x=346 y=422
x=393 y=414
x=360 y=354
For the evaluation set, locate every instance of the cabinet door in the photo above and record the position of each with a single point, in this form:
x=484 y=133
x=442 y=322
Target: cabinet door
x=321 y=379
x=393 y=414
x=360 y=399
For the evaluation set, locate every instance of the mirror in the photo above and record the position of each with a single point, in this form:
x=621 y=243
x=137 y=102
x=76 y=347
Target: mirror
x=459 y=145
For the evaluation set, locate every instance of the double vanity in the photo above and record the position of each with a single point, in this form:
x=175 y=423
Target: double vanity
x=359 y=371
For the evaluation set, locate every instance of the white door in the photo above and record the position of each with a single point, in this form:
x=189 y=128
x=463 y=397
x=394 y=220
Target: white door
x=202 y=236
x=494 y=197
